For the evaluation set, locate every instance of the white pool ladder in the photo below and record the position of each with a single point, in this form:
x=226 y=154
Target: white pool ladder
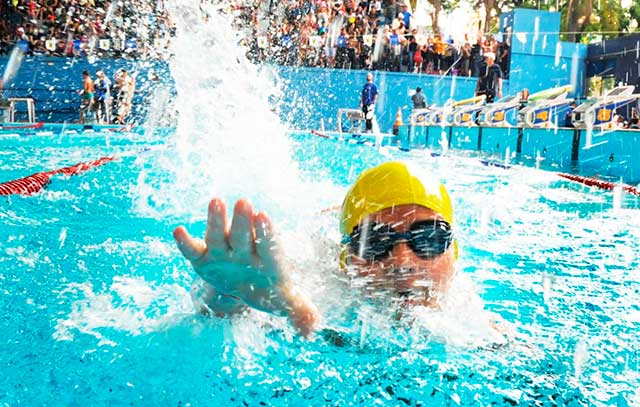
x=9 y=112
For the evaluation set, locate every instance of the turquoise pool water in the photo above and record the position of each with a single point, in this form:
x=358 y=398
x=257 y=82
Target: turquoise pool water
x=96 y=306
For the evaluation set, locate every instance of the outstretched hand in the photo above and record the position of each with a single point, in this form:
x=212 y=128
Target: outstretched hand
x=245 y=261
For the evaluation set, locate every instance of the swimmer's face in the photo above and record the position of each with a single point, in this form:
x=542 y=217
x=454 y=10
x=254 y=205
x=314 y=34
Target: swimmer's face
x=414 y=279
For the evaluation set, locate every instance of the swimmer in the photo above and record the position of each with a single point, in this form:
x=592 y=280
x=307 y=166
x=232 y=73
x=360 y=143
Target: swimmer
x=397 y=236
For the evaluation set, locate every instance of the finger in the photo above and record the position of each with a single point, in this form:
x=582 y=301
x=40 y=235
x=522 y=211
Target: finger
x=241 y=236
x=216 y=226
x=192 y=249
x=267 y=247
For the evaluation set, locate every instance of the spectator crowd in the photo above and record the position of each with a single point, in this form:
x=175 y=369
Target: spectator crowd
x=372 y=35
x=122 y=28
x=347 y=34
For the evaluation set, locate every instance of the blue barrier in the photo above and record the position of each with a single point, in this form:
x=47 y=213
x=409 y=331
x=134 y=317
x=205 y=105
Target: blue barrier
x=611 y=155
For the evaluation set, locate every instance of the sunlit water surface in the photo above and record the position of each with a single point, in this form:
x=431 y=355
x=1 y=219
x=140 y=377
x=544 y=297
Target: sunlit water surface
x=96 y=306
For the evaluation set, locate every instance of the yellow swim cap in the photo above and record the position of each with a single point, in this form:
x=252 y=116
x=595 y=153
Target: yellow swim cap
x=388 y=185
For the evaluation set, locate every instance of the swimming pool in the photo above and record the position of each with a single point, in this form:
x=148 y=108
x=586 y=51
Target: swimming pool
x=96 y=307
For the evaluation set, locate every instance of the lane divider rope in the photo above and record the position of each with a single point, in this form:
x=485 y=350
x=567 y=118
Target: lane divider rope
x=595 y=182
x=37 y=125
x=35 y=183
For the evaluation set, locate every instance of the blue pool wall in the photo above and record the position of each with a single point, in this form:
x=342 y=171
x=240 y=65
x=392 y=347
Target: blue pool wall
x=310 y=94
x=539 y=60
x=54 y=83
x=317 y=93
x=611 y=155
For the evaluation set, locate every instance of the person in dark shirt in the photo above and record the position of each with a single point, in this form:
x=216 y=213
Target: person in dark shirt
x=418 y=99
x=102 y=96
x=634 y=120
x=368 y=100
x=476 y=57
x=490 y=79
x=568 y=118
x=411 y=50
x=505 y=51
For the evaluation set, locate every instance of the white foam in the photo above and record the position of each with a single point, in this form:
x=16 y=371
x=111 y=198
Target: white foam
x=130 y=304
x=229 y=143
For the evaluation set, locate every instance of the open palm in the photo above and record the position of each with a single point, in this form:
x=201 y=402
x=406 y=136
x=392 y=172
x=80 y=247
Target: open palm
x=245 y=261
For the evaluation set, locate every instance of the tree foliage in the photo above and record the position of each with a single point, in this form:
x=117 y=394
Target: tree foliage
x=605 y=18
x=634 y=12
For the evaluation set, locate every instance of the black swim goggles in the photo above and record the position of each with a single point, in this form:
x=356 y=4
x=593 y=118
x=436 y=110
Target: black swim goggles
x=374 y=241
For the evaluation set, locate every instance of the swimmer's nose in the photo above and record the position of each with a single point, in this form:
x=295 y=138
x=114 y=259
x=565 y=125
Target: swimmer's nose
x=405 y=268
x=403 y=256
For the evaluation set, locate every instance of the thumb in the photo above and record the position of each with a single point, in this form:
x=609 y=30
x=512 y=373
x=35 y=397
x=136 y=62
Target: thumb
x=192 y=249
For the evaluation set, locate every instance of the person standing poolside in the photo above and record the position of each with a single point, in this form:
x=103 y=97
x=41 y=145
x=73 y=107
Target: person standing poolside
x=124 y=99
x=368 y=100
x=524 y=98
x=397 y=240
x=634 y=120
x=103 y=98
x=476 y=52
x=86 y=95
x=418 y=99
x=490 y=79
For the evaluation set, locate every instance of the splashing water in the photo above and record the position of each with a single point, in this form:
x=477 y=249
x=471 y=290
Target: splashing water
x=580 y=357
x=617 y=195
x=225 y=122
x=536 y=33
x=547 y=287
x=15 y=60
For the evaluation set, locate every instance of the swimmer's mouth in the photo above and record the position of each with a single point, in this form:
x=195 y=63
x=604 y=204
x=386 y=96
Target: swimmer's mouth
x=421 y=292
x=414 y=297
x=407 y=294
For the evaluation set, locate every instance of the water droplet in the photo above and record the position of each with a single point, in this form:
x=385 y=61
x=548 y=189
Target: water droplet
x=580 y=357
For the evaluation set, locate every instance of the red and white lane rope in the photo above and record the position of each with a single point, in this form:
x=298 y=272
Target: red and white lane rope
x=35 y=183
x=595 y=182
x=38 y=125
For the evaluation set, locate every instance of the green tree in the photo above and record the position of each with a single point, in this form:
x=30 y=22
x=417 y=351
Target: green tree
x=579 y=17
x=490 y=22
x=634 y=12
x=576 y=16
x=438 y=6
x=606 y=18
